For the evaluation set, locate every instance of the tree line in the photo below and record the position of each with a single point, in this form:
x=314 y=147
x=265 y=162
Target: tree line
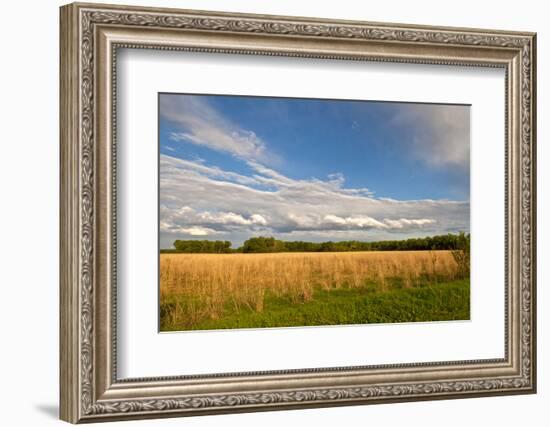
x=202 y=246
x=455 y=242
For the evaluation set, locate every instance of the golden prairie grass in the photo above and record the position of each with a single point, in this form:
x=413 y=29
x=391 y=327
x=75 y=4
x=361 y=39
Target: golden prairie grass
x=202 y=286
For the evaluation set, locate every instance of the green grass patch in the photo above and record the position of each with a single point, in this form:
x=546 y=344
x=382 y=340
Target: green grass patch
x=429 y=302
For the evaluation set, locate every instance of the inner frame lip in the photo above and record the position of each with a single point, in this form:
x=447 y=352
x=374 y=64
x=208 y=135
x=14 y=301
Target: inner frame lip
x=502 y=362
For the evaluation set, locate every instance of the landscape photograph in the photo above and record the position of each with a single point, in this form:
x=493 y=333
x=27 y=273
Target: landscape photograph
x=297 y=212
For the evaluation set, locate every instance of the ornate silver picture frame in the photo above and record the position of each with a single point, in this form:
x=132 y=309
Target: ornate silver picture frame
x=91 y=35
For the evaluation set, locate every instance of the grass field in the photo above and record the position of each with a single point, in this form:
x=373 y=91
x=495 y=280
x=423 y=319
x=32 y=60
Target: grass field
x=219 y=291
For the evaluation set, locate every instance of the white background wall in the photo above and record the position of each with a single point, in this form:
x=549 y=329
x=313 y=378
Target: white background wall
x=29 y=170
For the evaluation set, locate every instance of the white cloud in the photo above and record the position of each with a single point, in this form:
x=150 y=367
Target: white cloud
x=197 y=231
x=200 y=124
x=363 y=221
x=358 y=221
x=354 y=222
x=440 y=136
x=205 y=222
x=187 y=231
x=403 y=222
x=199 y=169
x=258 y=219
x=199 y=198
x=230 y=218
x=269 y=175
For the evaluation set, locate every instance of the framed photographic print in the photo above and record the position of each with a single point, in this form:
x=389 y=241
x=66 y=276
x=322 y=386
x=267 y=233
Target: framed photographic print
x=264 y=212
x=291 y=235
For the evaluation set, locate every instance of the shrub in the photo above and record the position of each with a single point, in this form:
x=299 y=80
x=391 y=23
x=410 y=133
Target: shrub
x=461 y=254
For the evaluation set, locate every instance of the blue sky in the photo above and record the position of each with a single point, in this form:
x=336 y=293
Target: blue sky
x=233 y=167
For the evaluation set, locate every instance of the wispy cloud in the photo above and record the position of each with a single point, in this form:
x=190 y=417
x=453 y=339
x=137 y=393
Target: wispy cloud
x=200 y=124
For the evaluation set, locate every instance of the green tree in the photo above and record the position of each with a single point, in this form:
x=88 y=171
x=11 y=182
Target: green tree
x=263 y=245
x=203 y=246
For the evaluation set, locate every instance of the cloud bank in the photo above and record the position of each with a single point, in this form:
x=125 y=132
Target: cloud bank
x=200 y=200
